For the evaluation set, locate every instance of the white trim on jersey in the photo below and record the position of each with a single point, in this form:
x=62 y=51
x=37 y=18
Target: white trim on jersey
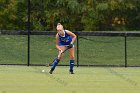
x=64 y=33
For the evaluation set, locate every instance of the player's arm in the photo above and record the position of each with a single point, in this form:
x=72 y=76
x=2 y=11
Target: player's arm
x=73 y=36
x=57 y=41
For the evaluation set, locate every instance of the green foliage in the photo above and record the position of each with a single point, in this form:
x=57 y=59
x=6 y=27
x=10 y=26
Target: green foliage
x=8 y=18
x=81 y=15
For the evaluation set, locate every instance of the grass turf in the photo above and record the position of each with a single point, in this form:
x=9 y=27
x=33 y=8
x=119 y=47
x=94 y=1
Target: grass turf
x=23 y=79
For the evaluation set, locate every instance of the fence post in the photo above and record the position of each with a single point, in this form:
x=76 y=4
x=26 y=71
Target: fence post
x=28 y=32
x=77 y=49
x=125 y=49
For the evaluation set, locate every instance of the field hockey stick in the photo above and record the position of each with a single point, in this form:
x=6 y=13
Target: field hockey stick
x=59 y=55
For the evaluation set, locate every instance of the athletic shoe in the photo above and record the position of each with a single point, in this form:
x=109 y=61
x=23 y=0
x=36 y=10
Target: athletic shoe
x=50 y=72
x=71 y=72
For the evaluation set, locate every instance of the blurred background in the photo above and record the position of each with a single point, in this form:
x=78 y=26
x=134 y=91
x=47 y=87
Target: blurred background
x=76 y=15
x=38 y=48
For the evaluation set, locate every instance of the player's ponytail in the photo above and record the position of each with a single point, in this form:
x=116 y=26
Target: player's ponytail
x=59 y=25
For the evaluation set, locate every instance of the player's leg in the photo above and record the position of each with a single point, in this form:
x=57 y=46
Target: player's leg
x=56 y=61
x=71 y=52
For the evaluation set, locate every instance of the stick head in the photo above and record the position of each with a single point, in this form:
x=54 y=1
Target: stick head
x=47 y=65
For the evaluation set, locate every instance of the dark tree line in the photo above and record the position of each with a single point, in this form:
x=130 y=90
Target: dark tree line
x=77 y=15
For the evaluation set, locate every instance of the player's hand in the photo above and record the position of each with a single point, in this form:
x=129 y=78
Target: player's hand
x=70 y=46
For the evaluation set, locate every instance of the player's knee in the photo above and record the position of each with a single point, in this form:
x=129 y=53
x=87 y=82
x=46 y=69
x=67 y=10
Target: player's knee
x=72 y=57
x=60 y=58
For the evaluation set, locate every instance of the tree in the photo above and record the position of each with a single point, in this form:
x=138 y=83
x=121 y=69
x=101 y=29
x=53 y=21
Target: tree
x=76 y=15
x=8 y=15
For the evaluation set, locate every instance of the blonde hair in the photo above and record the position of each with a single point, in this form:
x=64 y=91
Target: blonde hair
x=59 y=26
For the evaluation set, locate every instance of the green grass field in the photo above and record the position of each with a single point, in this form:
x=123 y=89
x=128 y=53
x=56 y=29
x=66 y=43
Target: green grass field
x=23 y=79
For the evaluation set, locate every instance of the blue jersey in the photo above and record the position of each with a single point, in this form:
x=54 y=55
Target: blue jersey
x=64 y=40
